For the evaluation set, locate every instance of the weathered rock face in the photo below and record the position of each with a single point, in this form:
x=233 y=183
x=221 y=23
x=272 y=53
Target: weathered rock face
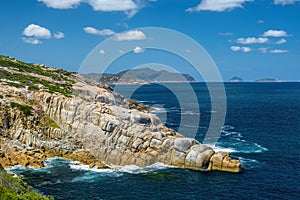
x=97 y=129
x=120 y=136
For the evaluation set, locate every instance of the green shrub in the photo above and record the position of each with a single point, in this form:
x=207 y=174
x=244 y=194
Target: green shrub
x=26 y=110
x=33 y=87
x=51 y=123
x=7 y=194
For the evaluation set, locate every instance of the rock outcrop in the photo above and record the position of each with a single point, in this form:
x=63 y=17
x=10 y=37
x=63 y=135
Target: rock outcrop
x=95 y=126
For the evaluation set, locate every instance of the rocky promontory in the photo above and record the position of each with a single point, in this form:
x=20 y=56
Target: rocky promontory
x=47 y=112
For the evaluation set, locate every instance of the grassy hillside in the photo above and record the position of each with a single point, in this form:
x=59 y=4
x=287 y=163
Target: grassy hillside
x=13 y=188
x=34 y=76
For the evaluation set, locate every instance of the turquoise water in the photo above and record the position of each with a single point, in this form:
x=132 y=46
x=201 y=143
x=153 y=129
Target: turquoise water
x=262 y=130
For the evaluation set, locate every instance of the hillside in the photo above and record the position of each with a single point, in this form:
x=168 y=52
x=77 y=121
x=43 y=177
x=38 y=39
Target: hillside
x=141 y=76
x=269 y=80
x=13 y=188
x=114 y=79
x=235 y=79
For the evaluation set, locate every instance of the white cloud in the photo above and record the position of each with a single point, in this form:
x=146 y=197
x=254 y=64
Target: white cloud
x=226 y=33
x=130 y=35
x=33 y=33
x=61 y=4
x=252 y=40
x=284 y=2
x=130 y=7
x=235 y=48
x=246 y=49
x=31 y=40
x=243 y=49
x=102 y=52
x=138 y=50
x=275 y=33
x=260 y=21
x=281 y=41
x=37 y=31
x=59 y=35
x=94 y=31
x=112 y=5
x=278 y=51
x=263 y=50
x=217 y=5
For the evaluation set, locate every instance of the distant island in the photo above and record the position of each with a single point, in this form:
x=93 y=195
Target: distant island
x=235 y=79
x=140 y=76
x=269 y=80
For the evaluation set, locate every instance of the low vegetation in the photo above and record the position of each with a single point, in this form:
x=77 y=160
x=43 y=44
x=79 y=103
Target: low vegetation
x=15 y=78
x=26 y=110
x=13 y=188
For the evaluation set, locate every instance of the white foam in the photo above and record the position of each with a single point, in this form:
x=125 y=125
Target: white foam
x=249 y=163
x=189 y=112
x=159 y=110
x=50 y=183
x=133 y=169
x=223 y=149
x=76 y=166
x=233 y=141
x=22 y=168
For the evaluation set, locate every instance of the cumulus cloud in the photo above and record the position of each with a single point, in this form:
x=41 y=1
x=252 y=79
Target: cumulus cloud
x=112 y=5
x=252 y=40
x=278 y=51
x=130 y=7
x=37 y=31
x=226 y=33
x=130 y=35
x=61 y=4
x=285 y=2
x=102 y=52
x=281 y=41
x=33 y=33
x=31 y=40
x=94 y=31
x=138 y=50
x=59 y=35
x=217 y=5
x=238 y=48
x=275 y=33
x=235 y=48
x=263 y=50
x=260 y=21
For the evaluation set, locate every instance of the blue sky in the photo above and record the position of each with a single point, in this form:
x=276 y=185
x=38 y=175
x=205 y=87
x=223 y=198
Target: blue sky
x=247 y=38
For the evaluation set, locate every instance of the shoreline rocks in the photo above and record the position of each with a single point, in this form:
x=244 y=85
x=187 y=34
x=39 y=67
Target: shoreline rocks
x=94 y=131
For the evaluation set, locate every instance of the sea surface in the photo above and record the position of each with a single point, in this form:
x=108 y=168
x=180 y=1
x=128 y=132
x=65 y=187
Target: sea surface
x=262 y=130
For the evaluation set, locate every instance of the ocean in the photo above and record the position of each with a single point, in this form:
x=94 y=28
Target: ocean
x=262 y=130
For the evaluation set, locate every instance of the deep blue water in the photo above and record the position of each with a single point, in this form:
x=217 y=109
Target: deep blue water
x=262 y=130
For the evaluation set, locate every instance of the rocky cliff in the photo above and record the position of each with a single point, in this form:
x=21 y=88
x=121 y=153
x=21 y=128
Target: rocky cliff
x=47 y=116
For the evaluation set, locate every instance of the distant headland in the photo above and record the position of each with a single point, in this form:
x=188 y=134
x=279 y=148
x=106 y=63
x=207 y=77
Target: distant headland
x=140 y=76
x=236 y=79
x=269 y=80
